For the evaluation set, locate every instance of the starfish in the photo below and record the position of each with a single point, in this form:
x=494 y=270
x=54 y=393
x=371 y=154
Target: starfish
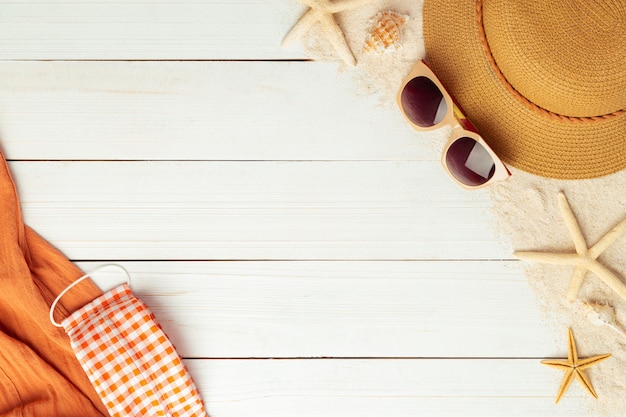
x=322 y=11
x=574 y=367
x=585 y=258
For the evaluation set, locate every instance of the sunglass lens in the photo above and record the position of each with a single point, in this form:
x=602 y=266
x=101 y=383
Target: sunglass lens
x=470 y=162
x=423 y=102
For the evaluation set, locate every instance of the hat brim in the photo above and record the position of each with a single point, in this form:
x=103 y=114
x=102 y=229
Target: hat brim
x=526 y=139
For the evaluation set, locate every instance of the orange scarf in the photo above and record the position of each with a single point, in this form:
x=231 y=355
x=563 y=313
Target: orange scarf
x=39 y=373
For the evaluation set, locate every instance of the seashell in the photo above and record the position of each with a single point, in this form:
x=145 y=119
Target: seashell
x=603 y=315
x=599 y=313
x=385 y=32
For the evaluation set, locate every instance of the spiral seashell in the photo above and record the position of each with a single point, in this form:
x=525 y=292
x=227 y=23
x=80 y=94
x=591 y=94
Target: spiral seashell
x=599 y=314
x=603 y=315
x=385 y=32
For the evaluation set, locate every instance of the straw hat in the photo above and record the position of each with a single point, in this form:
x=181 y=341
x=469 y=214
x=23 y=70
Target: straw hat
x=544 y=81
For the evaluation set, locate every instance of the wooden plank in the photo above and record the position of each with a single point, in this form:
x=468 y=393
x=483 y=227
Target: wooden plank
x=186 y=29
x=390 y=388
x=342 y=309
x=255 y=210
x=198 y=111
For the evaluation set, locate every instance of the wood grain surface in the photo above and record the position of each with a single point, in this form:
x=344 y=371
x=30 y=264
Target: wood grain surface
x=300 y=244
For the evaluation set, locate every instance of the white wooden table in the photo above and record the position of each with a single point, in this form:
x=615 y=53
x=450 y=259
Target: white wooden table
x=300 y=245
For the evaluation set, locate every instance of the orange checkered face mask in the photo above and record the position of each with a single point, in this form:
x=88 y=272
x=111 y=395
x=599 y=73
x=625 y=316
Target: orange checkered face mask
x=128 y=358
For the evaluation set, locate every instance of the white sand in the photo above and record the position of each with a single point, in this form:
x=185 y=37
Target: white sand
x=525 y=209
x=527 y=214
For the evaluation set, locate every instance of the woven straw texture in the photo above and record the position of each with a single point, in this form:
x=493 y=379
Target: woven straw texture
x=544 y=82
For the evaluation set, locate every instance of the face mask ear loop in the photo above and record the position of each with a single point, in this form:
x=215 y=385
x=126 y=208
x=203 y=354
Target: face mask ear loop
x=78 y=281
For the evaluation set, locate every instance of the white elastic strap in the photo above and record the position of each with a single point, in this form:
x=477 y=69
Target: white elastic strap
x=79 y=280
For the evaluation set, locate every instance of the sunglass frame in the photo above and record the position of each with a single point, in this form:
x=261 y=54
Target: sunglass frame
x=461 y=126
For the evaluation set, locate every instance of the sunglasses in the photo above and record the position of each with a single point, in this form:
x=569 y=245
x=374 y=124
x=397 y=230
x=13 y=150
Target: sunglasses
x=426 y=105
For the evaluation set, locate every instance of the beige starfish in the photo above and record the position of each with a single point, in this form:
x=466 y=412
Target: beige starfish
x=585 y=258
x=322 y=11
x=574 y=368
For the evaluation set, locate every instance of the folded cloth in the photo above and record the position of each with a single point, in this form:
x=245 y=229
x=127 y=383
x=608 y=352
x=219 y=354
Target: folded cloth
x=39 y=373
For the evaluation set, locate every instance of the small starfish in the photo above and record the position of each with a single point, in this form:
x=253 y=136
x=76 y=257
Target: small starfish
x=584 y=258
x=574 y=368
x=322 y=11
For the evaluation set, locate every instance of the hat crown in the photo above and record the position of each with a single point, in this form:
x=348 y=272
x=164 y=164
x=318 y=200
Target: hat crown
x=567 y=57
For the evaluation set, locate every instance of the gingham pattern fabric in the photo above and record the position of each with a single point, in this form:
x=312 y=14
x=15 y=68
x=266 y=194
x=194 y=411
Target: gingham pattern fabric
x=129 y=359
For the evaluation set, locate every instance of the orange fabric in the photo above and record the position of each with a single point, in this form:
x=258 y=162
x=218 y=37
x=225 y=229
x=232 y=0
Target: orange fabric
x=39 y=373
